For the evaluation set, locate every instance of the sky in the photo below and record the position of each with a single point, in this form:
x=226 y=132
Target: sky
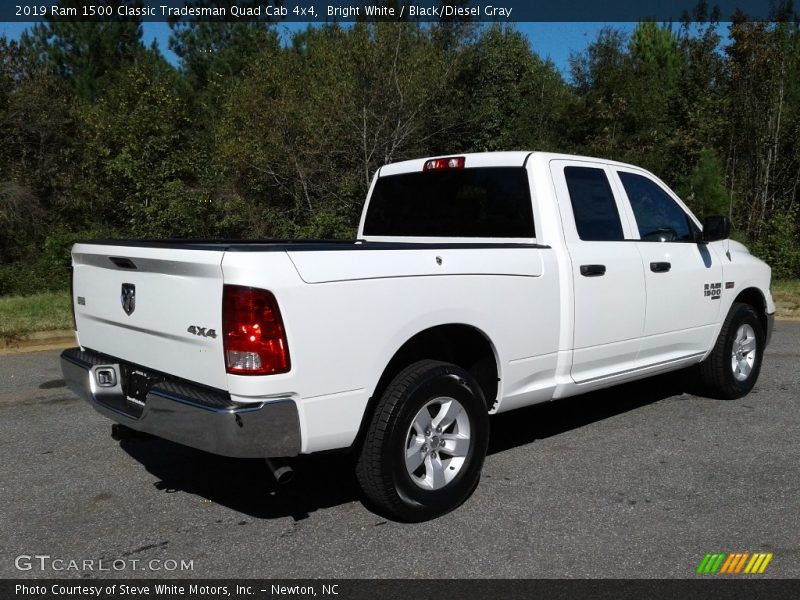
x=555 y=41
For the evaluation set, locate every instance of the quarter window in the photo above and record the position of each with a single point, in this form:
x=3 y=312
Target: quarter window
x=596 y=215
x=658 y=216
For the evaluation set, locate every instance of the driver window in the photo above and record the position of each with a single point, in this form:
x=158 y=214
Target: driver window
x=658 y=217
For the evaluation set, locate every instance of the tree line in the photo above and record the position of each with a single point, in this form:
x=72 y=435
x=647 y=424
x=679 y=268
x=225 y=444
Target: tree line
x=257 y=136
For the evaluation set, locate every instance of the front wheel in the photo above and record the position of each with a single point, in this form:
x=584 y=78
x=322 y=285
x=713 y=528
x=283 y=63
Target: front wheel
x=426 y=442
x=732 y=368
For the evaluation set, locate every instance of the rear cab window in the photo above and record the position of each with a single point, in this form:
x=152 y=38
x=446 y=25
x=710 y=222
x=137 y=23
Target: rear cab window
x=477 y=202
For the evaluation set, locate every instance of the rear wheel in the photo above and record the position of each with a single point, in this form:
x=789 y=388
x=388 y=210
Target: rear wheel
x=732 y=368
x=425 y=446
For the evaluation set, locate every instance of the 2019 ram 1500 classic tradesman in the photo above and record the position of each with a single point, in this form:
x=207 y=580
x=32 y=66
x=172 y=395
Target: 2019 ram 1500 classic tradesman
x=478 y=284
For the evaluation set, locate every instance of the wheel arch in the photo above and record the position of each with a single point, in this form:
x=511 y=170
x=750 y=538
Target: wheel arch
x=755 y=298
x=457 y=343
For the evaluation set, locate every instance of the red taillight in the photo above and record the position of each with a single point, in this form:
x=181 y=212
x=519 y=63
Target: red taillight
x=442 y=164
x=255 y=340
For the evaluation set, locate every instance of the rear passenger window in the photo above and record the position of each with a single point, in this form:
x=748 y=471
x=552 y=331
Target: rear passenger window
x=658 y=216
x=596 y=214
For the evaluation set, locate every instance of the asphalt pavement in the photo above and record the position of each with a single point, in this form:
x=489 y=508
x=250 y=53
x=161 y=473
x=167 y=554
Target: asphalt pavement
x=641 y=480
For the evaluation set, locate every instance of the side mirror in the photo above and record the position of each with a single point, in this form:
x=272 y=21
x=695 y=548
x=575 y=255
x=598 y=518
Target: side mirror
x=715 y=228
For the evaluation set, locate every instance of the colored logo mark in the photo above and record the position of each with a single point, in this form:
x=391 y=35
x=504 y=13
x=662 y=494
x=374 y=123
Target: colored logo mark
x=734 y=562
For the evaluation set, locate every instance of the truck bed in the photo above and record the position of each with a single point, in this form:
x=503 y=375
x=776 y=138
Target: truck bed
x=282 y=245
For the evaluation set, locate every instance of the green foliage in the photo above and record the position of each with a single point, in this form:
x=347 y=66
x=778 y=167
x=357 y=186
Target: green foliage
x=213 y=52
x=501 y=66
x=778 y=245
x=303 y=131
x=45 y=267
x=251 y=137
x=137 y=149
x=763 y=119
x=703 y=189
x=87 y=55
x=20 y=213
x=653 y=51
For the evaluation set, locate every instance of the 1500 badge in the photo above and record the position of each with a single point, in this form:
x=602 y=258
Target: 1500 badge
x=712 y=290
x=202 y=331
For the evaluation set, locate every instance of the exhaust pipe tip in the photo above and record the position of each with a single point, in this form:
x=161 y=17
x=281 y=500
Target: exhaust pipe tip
x=119 y=432
x=122 y=433
x=281 y=471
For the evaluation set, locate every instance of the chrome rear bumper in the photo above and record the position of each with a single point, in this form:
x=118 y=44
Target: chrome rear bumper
x=191 y=415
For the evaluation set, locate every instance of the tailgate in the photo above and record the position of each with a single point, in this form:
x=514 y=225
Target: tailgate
x=153 y=307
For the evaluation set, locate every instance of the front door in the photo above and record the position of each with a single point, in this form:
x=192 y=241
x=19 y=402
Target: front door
x=683 y=278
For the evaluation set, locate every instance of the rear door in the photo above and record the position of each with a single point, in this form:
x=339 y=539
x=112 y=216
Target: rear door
x=157 y=307
x=683 y=278
x=609 y=294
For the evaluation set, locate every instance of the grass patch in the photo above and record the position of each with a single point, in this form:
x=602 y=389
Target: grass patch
x=41 y=312
x=786 y=294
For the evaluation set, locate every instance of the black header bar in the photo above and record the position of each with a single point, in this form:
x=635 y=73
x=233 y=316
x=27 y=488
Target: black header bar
x=699 y=588
x=351 y=11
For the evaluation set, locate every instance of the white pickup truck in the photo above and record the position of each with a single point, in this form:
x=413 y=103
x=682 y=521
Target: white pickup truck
x=478 y=284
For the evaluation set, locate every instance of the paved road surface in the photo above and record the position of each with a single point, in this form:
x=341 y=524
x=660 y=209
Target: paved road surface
x=638 y=481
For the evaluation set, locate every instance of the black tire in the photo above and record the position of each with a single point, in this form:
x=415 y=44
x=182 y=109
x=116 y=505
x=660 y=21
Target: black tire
x=381 y=467
x=717 y=371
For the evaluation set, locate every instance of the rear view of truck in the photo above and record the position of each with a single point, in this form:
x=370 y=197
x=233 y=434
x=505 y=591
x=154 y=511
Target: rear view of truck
x=139 y=305
x=391 y=347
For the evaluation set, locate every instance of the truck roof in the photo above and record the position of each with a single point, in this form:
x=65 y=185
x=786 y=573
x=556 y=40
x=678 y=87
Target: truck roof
x=516 y=158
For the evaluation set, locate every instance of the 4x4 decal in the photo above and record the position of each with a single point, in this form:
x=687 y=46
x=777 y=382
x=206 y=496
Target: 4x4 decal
x=202 y=331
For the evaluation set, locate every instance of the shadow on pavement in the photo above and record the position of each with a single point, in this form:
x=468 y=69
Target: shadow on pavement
x=327 y=480
x=525 y=425
x=245 y=485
